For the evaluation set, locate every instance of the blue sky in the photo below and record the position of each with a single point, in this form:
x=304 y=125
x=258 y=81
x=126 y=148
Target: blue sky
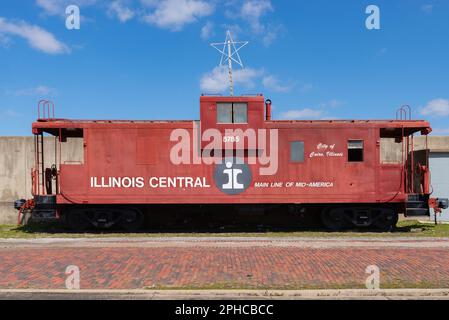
x=151 y=59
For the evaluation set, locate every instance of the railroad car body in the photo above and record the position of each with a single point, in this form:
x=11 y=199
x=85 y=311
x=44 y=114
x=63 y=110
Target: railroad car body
x=234 y=155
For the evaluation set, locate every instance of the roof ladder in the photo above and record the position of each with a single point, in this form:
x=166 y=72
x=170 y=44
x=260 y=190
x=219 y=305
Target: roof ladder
x=45 y=110
x=404 y=113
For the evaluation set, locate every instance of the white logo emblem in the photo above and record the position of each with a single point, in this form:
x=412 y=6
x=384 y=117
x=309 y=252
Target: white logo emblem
x=232 y=178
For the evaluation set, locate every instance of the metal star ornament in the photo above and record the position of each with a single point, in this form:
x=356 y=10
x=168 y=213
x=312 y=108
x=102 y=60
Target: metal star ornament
x=230 y=53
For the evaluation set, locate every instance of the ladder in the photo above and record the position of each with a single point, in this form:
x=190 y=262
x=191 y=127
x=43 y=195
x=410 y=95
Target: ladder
x=39 y=169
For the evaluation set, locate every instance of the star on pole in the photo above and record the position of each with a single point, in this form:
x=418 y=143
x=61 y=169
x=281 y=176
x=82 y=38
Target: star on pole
x=230 y=53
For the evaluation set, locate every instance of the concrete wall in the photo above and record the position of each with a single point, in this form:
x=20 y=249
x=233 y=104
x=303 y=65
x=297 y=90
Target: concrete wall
x=16 y=162
x=391 y=151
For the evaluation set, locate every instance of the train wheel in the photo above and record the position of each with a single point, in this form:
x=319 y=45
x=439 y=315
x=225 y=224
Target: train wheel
x=77 y=220
x=131 y=220
x=387 y=221
x=334 y=219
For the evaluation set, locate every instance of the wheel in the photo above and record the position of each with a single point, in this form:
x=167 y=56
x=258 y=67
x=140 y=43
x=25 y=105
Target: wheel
x=386 y=221
x=77 y=220
x=334 y=219
x=131 y=220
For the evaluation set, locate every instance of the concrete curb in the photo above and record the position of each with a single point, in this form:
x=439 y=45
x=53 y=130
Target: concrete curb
x=220 y=242
x=413 y=294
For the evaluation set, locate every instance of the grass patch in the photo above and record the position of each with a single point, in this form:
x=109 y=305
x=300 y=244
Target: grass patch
x=395 y=284
x=407 y=228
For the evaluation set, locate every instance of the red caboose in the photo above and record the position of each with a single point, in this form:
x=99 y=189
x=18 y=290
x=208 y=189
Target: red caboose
x=235 y=155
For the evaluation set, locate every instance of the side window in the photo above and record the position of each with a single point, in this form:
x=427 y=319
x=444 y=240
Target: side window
x=355 y=150
x=232 y=112
x=240 y=113
x=297 y=151
x=224 y=112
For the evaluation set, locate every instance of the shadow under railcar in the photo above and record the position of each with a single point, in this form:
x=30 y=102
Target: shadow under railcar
x=213 y=219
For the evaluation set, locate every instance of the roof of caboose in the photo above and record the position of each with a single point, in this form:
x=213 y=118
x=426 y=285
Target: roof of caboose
x=389 y=128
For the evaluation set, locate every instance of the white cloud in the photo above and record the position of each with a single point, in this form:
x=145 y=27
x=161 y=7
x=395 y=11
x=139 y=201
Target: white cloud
x=436 y=107
x=175 y=14
x=120 y=10
x=11 y=113
x=306 y=87
x=269 y=37
x=272 y=83
x=235 y=30
x=253 y=10
x=427 y=8
x=302 y=114
x=57 y=7
x=4 y=40
x=383 y=51
x=36 y=37
x=207 y=30
x=40 y=90
x=51 y=7
x=149 y=3
x=217 y=81
x=331 y=104
x=318 y=113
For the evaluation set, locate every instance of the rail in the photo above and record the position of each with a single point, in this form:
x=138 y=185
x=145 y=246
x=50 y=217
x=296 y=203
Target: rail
x=404 y=112
x=45 y=110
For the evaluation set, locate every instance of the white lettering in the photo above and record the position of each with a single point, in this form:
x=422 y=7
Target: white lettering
x=73 y=20
x=373 y=20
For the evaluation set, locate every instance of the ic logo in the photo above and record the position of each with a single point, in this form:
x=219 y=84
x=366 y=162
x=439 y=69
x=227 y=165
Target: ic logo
x=232 y=177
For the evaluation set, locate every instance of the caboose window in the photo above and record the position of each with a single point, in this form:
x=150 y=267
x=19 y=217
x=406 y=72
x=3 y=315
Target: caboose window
x=224 y=112
x=232 y=112
x=297 y=151
x=355 y=150
x=240 y=113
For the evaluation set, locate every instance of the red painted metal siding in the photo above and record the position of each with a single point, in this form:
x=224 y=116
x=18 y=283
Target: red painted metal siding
x=142 y=149
x=146 y=153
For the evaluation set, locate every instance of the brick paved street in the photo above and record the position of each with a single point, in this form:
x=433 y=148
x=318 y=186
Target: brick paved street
x=209 y=263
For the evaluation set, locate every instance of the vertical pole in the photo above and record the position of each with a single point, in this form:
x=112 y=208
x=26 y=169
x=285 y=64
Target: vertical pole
x=404 y=162
x=413 y=164
x=42 y=164
x=407 y=161
x=36 y=165
x=58 y=166
x=231 y=84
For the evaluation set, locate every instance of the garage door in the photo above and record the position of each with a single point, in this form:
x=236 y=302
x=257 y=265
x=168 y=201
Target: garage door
x=439 y=168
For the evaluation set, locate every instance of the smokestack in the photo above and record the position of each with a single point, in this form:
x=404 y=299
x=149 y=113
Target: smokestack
x=268 y=110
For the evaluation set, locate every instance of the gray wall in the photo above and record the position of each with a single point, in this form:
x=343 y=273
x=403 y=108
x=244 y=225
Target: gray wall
x=391 y=151
x=16 y=162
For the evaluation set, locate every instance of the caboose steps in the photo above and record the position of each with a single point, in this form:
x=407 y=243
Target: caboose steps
x=417 y=212
x=417 y=205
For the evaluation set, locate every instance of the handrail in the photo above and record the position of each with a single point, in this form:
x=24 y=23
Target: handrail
x=45 y=110
x=403 y=112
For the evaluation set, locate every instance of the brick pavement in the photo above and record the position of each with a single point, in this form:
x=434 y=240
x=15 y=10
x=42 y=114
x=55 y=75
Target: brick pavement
x=42 y=266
